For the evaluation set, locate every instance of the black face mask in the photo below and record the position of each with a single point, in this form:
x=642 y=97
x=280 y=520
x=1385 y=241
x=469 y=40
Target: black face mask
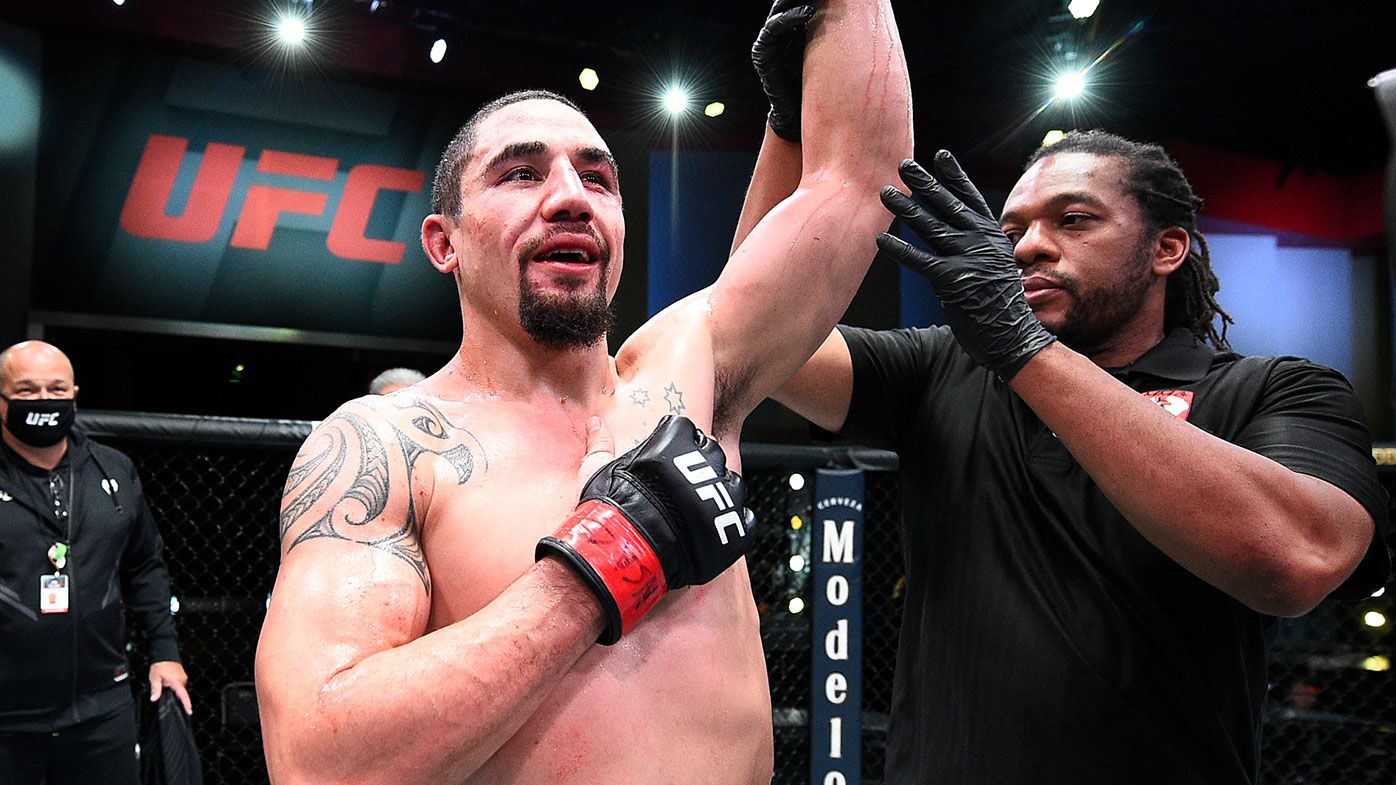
x=40 y=422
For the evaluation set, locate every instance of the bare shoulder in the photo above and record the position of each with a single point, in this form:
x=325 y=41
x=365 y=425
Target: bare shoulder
x=366 y=475
x=676 y=330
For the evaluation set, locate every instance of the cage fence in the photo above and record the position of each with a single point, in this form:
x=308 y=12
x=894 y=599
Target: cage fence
x=215 y=484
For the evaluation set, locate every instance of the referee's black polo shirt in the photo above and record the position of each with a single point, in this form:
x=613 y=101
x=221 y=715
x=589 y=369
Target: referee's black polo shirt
x=1043 y=639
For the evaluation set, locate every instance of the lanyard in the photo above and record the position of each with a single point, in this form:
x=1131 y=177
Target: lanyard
x=58 y=552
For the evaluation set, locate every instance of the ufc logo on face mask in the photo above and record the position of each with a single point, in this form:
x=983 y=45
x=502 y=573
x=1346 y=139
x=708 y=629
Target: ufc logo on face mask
x=704 y=479
x=41 y=418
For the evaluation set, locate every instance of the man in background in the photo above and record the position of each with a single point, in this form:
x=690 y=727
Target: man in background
x=394 y=379
x=80 y=548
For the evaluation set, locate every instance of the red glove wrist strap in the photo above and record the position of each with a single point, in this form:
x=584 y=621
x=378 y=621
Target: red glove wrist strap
x=622 y=557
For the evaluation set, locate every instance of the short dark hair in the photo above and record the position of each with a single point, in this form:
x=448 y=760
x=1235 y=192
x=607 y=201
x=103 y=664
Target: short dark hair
x=1166 y=198
x=445 y=186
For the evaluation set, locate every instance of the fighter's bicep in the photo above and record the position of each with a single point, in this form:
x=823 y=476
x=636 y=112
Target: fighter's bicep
x=352 y=580
x=340 y=603
x=335 y=605
x=785 y=288
x=350 y=484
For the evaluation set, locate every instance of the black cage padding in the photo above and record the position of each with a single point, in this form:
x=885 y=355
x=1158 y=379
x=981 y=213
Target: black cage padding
x=193 y=429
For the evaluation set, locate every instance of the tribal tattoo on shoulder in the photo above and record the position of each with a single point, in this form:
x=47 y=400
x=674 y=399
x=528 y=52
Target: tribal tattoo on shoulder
x=347 y=445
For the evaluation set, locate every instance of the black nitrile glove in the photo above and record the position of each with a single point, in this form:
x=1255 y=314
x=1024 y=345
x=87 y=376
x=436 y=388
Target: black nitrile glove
x=970 y=265
x=779 y=57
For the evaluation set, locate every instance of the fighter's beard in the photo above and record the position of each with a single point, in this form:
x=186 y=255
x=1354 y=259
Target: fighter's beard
x=575 y=320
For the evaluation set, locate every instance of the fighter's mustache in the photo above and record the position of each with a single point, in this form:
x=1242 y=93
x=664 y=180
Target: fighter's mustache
x=529 y=251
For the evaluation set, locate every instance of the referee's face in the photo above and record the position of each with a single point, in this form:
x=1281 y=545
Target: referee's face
x=1085 y=253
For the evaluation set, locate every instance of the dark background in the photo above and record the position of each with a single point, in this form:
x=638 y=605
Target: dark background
x=1284 y=81
x=1280 y=79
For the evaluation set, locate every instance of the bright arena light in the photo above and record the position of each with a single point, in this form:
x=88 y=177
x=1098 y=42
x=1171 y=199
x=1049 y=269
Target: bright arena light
x=1070 y=85
x=589 y=79
x=1053 y=136
x=1377 y=663
x=797 y=481
x=290 y=28
x=1374 y=619
x=796 y=605
x=119 y=2
x=1379 y=592
x=675 y=100
x=1082 y=9
x=714 y=109
x=438 y=50
x=797 y=563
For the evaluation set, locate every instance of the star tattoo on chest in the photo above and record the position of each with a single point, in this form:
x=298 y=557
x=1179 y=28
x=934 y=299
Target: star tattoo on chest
x=673 y=397
x=640 y=397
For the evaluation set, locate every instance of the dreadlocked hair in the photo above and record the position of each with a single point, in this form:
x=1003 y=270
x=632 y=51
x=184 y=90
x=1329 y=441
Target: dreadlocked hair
x=1167 y=200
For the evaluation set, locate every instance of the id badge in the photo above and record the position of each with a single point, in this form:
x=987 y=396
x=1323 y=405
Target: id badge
x=53 y=593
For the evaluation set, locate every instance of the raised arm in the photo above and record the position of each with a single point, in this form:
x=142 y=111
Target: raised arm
x=794 y=273
x=774 y=178
x=778 y=56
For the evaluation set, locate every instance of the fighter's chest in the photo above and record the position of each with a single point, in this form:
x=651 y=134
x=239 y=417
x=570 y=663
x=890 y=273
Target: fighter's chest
x=478 y=536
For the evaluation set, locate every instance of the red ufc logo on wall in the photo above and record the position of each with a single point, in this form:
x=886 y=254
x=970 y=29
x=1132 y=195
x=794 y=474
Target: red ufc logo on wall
x=144 y=214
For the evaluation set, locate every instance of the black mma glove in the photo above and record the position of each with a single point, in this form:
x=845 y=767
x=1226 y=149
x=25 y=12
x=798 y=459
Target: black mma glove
x=665 y=515
x=970 y=265
x=779 y=57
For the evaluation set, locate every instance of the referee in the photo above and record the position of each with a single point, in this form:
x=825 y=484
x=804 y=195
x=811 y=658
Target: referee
x=1103 y=507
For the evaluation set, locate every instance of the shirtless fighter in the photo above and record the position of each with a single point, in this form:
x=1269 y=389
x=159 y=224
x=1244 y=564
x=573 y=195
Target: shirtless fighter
x=415 y=635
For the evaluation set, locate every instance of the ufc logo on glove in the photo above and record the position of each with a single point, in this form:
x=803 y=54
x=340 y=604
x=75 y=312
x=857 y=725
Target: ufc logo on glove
x=696 y=470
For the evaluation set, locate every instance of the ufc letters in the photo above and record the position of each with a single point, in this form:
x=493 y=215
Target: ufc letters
x=145 y=212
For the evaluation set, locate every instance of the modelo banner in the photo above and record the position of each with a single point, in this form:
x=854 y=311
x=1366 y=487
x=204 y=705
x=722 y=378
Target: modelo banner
x=836 y=629
x=172 y=188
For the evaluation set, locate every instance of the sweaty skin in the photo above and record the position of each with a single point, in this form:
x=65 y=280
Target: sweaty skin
x=411 y=636
x=693 y=667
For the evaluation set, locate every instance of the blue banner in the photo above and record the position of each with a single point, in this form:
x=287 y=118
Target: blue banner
x=836 y=576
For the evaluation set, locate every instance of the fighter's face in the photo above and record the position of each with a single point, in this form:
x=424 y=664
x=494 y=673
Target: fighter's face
x=541 y=228
x=1086 y=255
